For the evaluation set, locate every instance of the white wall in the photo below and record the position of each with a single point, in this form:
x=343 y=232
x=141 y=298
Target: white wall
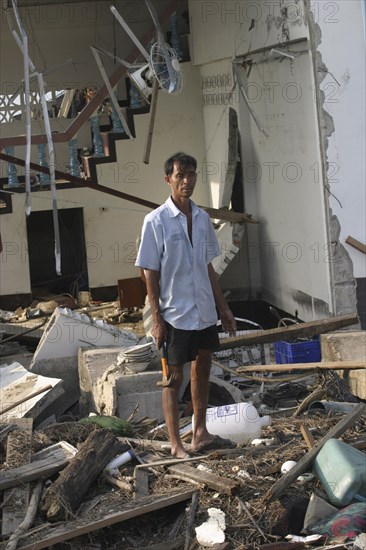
x=283 y=185
x=343 y=52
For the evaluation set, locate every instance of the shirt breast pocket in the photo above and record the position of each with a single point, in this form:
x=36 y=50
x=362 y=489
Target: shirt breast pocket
x=176 y=237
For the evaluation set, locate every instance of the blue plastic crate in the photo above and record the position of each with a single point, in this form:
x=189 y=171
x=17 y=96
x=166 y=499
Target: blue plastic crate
x=298 y=352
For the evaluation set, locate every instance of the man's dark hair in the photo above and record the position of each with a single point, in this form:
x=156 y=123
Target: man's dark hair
x=182 y=159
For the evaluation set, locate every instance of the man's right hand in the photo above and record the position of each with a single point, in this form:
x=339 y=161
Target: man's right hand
x=159 y=332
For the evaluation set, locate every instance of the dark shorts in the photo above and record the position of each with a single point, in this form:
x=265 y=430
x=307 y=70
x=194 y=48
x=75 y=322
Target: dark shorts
x=183 y=345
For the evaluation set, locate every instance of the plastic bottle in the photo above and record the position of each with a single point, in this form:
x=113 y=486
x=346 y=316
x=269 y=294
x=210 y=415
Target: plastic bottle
x=239 y=422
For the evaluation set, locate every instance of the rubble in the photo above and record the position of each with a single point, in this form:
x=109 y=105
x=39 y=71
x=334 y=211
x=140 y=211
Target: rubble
x=83 y=484
x=26 y=394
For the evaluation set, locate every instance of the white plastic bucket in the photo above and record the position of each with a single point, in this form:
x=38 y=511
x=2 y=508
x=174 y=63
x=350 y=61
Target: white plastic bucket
x=239 y=422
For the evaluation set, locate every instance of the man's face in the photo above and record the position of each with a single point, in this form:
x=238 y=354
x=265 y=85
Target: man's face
x=182 y=181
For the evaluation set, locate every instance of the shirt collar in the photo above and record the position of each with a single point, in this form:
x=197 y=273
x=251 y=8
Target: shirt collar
x=174 y=211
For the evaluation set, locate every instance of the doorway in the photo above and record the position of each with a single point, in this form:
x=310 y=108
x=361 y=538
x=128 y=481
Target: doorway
x=41 y=250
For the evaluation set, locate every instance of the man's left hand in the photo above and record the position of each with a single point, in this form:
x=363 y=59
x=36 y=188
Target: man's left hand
x=228 y=321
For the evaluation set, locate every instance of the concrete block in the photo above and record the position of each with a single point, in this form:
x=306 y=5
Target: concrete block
x=347 y=346
x=105 y=389
x=149 y=404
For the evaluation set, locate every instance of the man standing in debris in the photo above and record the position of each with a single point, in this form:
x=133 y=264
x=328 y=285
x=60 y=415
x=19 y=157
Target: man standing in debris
x=177 y=246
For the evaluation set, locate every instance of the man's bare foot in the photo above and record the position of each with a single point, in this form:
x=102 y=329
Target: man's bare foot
x=202 y=442
x=211 y=443
x=179 y=452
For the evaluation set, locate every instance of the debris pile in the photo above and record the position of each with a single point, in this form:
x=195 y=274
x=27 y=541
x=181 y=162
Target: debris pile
x=85 y=456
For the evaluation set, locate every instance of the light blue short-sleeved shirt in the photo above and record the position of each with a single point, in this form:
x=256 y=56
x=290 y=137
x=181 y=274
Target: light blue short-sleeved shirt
x=186 y=298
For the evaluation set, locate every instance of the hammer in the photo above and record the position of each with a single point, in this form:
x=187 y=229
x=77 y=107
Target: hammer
x=165 y=369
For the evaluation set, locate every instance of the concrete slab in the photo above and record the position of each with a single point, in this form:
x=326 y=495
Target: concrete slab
x=347 y=346
x=67 y=330
x=17 y=384
x=26 y=329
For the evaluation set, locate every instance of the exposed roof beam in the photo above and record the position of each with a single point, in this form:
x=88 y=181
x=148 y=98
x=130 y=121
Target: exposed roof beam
x=221 y=213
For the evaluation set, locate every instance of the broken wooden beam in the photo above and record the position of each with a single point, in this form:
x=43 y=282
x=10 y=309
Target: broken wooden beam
x=300 y=330
x=71 y=529
x=190 y=523
x=358 y=245
x=221 y=213
x=228 y=215
x=307 y=435
x=218 y=483
x=286 y=367
x=30 y=472
x=284 y=482
x=64 y=496
x=153 y=105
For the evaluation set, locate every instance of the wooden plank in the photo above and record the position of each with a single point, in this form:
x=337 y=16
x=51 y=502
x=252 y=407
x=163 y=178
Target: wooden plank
x=153 y=105
x=16 y=506
x=228 y=215
x=30 y=472
x=309 y=440
x=81 y=182
x=358 y=245
x=326 y=365
x=141 y=478
x=281 y=484
x=71 y=530
x=300 y=330
x=176 y=544
x=218 y=483
x=58 y=451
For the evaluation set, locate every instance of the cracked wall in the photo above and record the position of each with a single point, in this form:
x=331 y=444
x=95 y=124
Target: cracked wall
x=343 y=279
x=294 y=258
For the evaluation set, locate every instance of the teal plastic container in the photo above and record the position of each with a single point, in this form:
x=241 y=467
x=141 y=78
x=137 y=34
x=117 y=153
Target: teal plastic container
x=342 y=471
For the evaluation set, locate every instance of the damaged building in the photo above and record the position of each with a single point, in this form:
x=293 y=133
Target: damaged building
x=269 y=97
x=261 y=87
